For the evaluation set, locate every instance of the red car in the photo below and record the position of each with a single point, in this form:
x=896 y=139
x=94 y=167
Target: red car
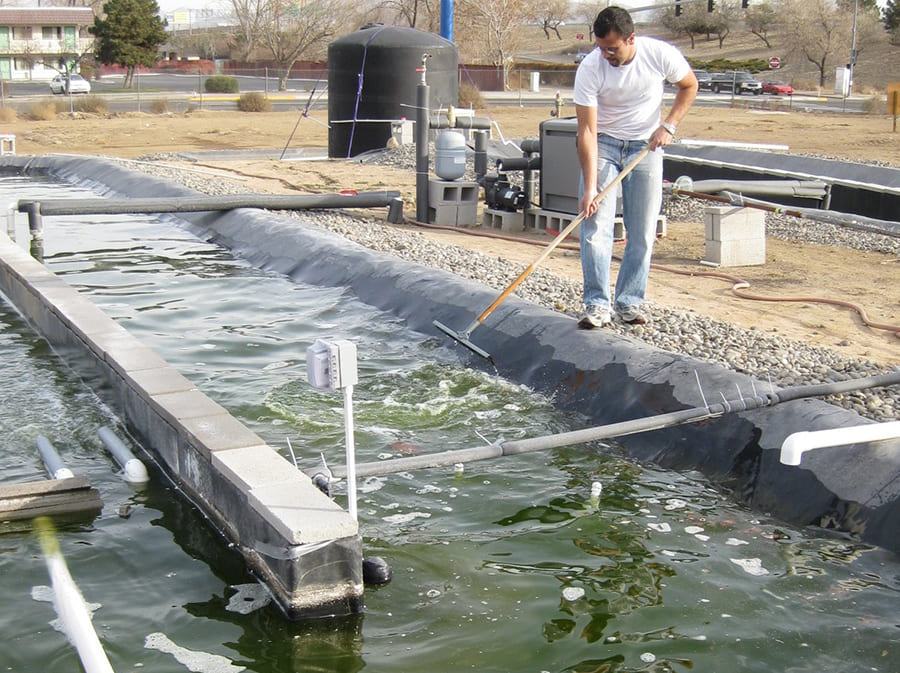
x=778 y=89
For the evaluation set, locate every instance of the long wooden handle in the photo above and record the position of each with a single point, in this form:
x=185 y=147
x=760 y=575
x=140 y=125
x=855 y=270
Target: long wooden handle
x=561 y=237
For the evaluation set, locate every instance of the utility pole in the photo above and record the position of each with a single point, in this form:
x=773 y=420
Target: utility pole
x=853 y=47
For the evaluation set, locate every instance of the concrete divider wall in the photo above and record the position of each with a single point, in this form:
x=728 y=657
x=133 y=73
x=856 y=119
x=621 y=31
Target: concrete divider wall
x=605 y=376
x=299 y=542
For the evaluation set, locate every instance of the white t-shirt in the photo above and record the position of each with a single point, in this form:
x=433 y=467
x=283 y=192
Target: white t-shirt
x=628 y=97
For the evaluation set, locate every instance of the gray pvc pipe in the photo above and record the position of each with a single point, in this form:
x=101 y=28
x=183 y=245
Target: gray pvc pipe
x=51 y=459
x=206 y=203
x=132 y=468
x=422 y=103
x=804 y=188
x=620 y=429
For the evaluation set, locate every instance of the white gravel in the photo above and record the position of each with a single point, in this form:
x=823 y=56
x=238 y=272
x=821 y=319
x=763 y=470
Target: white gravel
x=763 y=355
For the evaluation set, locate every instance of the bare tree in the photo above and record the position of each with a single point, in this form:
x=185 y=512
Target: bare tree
x=723 y=19
x=760 y=20
x=551 y=15
x=424 y=14
x=247 y=17
x=290 y=29
x=820 y=32
x=497 y=26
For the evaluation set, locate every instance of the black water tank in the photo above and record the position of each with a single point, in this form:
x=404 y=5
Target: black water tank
x=386 y=58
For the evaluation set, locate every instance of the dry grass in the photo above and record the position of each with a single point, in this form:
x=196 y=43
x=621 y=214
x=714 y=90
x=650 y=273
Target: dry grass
x=160 y=106
x=7 y=114
x=254 y=101
x=44 y=109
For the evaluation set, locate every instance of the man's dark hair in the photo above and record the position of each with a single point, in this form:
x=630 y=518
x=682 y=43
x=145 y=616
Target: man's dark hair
x=613 y=19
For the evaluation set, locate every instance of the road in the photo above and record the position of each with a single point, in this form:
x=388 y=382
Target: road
x=184 y=91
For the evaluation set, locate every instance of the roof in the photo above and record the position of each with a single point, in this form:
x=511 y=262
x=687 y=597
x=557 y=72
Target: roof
x=43 y=16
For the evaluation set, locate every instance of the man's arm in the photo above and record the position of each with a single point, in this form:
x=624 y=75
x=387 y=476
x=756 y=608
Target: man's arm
x=687 y=92
x=586 y=141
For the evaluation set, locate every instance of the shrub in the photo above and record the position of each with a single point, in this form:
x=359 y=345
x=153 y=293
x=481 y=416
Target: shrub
x=160 y=106
x=254 y=101
x=724 y=64
x=90 y=103
x=45 y=109
x=221 y=84
x=7 y=114
x=874 y=105
x=470 y=96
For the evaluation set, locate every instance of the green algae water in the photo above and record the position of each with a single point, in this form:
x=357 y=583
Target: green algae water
x=510 y=565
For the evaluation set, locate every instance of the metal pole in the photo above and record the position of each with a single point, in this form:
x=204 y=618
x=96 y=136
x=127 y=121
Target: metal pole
x=423 y=93
x=620 y=429
x=853 y=47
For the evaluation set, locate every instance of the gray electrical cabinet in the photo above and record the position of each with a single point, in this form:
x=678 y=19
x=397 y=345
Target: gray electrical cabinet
x=560 y=171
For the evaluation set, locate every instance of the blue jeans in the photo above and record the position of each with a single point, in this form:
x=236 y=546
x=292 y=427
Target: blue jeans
x=641 y=201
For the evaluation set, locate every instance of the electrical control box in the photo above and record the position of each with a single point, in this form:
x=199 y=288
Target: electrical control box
x=331 y=365
x=560 y=170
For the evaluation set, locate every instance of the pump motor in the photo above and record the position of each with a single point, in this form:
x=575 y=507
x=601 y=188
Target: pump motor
x=499 y=194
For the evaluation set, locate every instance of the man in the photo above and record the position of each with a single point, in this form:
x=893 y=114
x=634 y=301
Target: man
x=618 y=95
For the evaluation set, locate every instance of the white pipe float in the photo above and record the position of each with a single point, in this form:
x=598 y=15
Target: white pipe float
x=52 y=461
x=69 y=603
x=798 y=443
x=133 y=470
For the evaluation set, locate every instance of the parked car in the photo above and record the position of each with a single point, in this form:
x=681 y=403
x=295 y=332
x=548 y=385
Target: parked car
x=777 y=88
x=704 y=79
x=76 y=84
x=739 y=82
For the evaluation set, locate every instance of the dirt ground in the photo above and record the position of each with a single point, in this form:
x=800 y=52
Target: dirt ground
x=869 y=280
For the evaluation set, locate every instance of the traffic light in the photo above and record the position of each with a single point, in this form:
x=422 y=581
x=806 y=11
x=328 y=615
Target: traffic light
x=710 y=5
x=677 y=7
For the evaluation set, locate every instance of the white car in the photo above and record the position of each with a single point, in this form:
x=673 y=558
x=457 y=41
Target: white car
x=77 y=84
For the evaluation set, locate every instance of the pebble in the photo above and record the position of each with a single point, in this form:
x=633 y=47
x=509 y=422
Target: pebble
x=765 y=356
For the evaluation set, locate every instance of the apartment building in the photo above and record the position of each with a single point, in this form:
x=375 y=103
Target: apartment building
x=37 y=43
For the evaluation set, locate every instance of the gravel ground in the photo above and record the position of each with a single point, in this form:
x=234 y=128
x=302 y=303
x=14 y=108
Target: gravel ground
x=762 y=355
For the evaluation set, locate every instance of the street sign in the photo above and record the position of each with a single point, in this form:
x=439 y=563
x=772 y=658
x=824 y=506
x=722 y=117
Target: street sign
x=579 y=36
x=774 y=63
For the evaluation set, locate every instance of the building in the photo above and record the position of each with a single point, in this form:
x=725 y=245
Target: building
x=39 y=42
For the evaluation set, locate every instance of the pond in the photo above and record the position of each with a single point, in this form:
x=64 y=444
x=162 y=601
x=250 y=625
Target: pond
x=509 y=565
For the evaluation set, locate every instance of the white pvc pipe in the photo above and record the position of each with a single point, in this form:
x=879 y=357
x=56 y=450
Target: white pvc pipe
x=51 y=459
x=133 y=470
x=350 y=442
x=70 y=606
x=798 y=443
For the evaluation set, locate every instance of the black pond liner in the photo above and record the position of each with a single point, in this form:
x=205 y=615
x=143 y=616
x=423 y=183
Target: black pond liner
x=853 y=490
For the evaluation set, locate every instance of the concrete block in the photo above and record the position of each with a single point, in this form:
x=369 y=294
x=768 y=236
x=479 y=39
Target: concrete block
x=256 y=466
x=208 y=434
x=453 y=214
x=503 y=220
x=446 y=192
x=736 y=253
x=551 y=221
x=735 y=236
x=728 y=223
x=302 y=516
x=177 y=406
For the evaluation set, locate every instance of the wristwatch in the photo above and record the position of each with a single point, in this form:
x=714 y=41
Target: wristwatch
x=668 y=127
